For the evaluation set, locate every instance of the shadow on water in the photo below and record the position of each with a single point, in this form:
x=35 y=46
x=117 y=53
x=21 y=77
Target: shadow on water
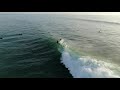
x=37 y=57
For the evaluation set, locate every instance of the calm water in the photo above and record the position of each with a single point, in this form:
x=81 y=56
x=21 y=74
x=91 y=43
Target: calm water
x=28 y=46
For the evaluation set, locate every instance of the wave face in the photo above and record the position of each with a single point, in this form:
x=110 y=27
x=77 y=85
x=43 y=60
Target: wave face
x=85 y=67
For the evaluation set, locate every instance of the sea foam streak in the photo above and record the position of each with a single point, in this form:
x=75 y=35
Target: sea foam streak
x=85 y=67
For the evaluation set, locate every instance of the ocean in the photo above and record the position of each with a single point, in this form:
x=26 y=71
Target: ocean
x=90 y=46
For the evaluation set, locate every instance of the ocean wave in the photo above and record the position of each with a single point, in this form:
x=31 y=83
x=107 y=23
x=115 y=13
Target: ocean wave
x=84 y=66
x=93 y=20
x=100 y=21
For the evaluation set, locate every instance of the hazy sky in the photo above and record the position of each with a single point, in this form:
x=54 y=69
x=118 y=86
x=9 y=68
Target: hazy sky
x=75 y=13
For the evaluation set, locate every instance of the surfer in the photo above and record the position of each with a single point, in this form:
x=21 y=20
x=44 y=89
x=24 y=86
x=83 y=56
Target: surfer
x=100 y=31
x=1 y=38
x=20 y=34
x=59 y=40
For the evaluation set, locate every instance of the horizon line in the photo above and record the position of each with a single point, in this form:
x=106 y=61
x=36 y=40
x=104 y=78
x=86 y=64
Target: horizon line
x=71 y=13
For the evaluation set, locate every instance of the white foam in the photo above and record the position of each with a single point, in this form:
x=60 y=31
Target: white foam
x=86 y=67
x=62 y=42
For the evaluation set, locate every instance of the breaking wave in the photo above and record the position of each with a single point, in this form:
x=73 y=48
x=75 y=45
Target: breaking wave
x=85 y=66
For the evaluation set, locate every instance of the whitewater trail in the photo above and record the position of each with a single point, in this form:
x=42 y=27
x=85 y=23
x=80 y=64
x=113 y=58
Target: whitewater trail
x=85 y=67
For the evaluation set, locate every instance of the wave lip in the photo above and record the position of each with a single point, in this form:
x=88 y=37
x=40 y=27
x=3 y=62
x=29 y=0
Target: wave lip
x=86 y=67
